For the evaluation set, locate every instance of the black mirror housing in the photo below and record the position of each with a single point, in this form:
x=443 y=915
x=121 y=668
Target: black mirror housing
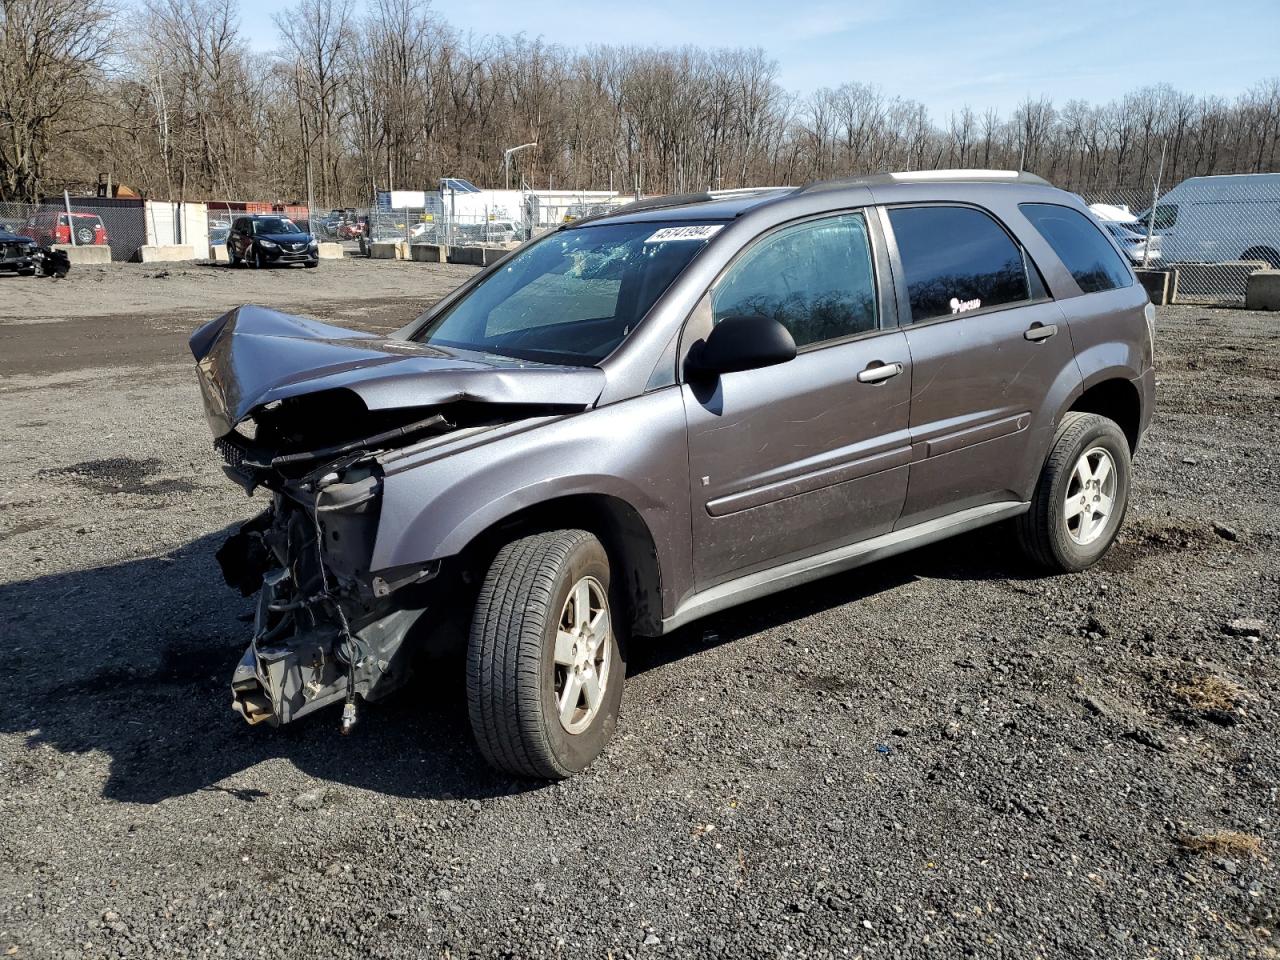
x=742 y=343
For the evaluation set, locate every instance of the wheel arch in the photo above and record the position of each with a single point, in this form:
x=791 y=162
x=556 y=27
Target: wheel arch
x=626 y=537
x=1117 y=399
x=1262 y=251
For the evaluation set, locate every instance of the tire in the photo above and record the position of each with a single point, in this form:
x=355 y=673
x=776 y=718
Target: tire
x=259 y=262
x=311 y=266
x=232 y=259
x=1269 y=254
x=512 y=671
x=1050 y=538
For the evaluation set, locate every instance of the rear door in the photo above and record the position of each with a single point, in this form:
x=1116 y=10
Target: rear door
x=812 y=454
x=987 y=348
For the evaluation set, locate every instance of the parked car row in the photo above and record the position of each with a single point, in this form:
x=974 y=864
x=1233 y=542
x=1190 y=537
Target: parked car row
x=1131 y=238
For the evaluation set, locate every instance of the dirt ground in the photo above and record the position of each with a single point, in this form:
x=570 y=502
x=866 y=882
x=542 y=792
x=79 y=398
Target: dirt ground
x=937 y=756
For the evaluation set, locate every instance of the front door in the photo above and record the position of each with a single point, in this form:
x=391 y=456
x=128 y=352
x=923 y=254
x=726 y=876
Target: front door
x=812 y=454
x=988 y=349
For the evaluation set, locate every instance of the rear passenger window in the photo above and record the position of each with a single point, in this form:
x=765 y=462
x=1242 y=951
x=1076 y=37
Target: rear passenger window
x=1080 y=246
x=957 y=259
x=814 y=278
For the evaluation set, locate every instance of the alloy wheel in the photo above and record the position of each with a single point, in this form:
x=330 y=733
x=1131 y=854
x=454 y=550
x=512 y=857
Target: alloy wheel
x=582 y=655
x=1091 y=496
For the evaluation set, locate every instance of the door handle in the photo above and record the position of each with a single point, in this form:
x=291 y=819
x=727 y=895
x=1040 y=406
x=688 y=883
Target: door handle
x=1041 y=331
x=877 y=372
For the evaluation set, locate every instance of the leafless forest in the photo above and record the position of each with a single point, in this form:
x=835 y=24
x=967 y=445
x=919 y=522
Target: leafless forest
x=168 y=98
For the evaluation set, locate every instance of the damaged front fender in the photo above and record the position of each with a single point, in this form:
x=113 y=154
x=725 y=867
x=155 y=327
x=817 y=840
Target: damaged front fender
x=308 y=411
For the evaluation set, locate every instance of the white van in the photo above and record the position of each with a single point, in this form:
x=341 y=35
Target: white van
x=1214 y=219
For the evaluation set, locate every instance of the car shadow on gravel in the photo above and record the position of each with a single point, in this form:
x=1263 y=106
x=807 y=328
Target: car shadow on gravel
x=990 y=553
x=132 y=661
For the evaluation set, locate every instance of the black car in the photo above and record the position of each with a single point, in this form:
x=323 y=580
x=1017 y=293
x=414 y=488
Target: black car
x=270 y=238
x=17 y=254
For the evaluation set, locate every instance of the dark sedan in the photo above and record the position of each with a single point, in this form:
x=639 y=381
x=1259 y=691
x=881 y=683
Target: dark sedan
x=268 y=239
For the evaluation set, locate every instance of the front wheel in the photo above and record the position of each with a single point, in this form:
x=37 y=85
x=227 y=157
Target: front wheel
x=232 y=259
x=545 y=664
x=1081 y=496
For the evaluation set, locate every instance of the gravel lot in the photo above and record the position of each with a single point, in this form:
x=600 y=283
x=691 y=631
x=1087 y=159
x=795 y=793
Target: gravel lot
x=935 y=756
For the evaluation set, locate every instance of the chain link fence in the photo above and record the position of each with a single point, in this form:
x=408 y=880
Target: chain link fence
x=119 y=225
x=1215 y=231
x=504 y=218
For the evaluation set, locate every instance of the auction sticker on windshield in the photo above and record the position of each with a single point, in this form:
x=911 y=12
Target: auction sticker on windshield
x=703 y=231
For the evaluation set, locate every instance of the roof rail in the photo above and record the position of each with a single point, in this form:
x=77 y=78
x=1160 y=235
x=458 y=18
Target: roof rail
x=744 y=191
x=679 y=200
x=926 y=176
x=650 y=203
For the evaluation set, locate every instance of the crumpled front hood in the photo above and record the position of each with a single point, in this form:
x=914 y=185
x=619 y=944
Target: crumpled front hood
x=252 y=355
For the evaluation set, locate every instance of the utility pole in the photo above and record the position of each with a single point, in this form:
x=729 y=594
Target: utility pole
x=509 y=153
x=1151 y=217
x=308 y=142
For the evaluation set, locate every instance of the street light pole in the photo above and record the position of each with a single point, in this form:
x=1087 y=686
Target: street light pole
x=506 y=158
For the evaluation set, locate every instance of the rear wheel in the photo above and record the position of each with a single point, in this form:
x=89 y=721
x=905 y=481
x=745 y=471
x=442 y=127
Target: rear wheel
x=1081 y=496
x=545 y=664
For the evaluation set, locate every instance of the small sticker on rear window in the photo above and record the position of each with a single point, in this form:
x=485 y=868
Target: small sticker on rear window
x=963 y=306
x=702 y=231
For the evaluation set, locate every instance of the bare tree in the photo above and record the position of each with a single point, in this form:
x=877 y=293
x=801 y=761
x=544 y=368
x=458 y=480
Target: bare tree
x=52 y=59
x=397 y=98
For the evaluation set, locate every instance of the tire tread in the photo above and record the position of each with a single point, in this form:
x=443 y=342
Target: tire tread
x=504 y=655
x=1036 y=528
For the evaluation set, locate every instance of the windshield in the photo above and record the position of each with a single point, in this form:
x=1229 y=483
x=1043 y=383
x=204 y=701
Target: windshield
x=275 y=225
x=573 y=296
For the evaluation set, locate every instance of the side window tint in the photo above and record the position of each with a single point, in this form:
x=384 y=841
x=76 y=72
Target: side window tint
x=1080 y=246
x=957 y=259
x=814 y=278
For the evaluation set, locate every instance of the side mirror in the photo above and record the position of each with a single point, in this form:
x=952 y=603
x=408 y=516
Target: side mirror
x=742 y=343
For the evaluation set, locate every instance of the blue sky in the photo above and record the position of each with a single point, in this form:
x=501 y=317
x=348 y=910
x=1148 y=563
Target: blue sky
x=986 y=54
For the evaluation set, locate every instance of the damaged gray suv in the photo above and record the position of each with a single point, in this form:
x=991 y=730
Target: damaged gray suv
x=651 y=415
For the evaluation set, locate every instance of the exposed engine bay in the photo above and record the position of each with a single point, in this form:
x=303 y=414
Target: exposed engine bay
x=311 y=418
x=324 y=629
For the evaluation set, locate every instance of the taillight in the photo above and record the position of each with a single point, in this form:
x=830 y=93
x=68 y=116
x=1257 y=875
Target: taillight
x=99 y=235
x=62 y=234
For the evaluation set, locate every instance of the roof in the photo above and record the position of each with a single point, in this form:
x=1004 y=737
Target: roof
x=730 y=204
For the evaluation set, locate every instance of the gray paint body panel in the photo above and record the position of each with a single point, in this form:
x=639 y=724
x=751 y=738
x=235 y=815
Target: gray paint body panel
x=807 y=470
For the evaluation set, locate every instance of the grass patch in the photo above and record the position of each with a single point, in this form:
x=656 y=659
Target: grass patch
x=1209 y=693
x=1223 y=843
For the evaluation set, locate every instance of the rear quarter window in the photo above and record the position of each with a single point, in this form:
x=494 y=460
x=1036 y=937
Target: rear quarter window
x=1080 y=245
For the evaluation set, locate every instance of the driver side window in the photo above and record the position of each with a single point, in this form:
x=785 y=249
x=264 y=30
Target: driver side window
x=815 y=278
